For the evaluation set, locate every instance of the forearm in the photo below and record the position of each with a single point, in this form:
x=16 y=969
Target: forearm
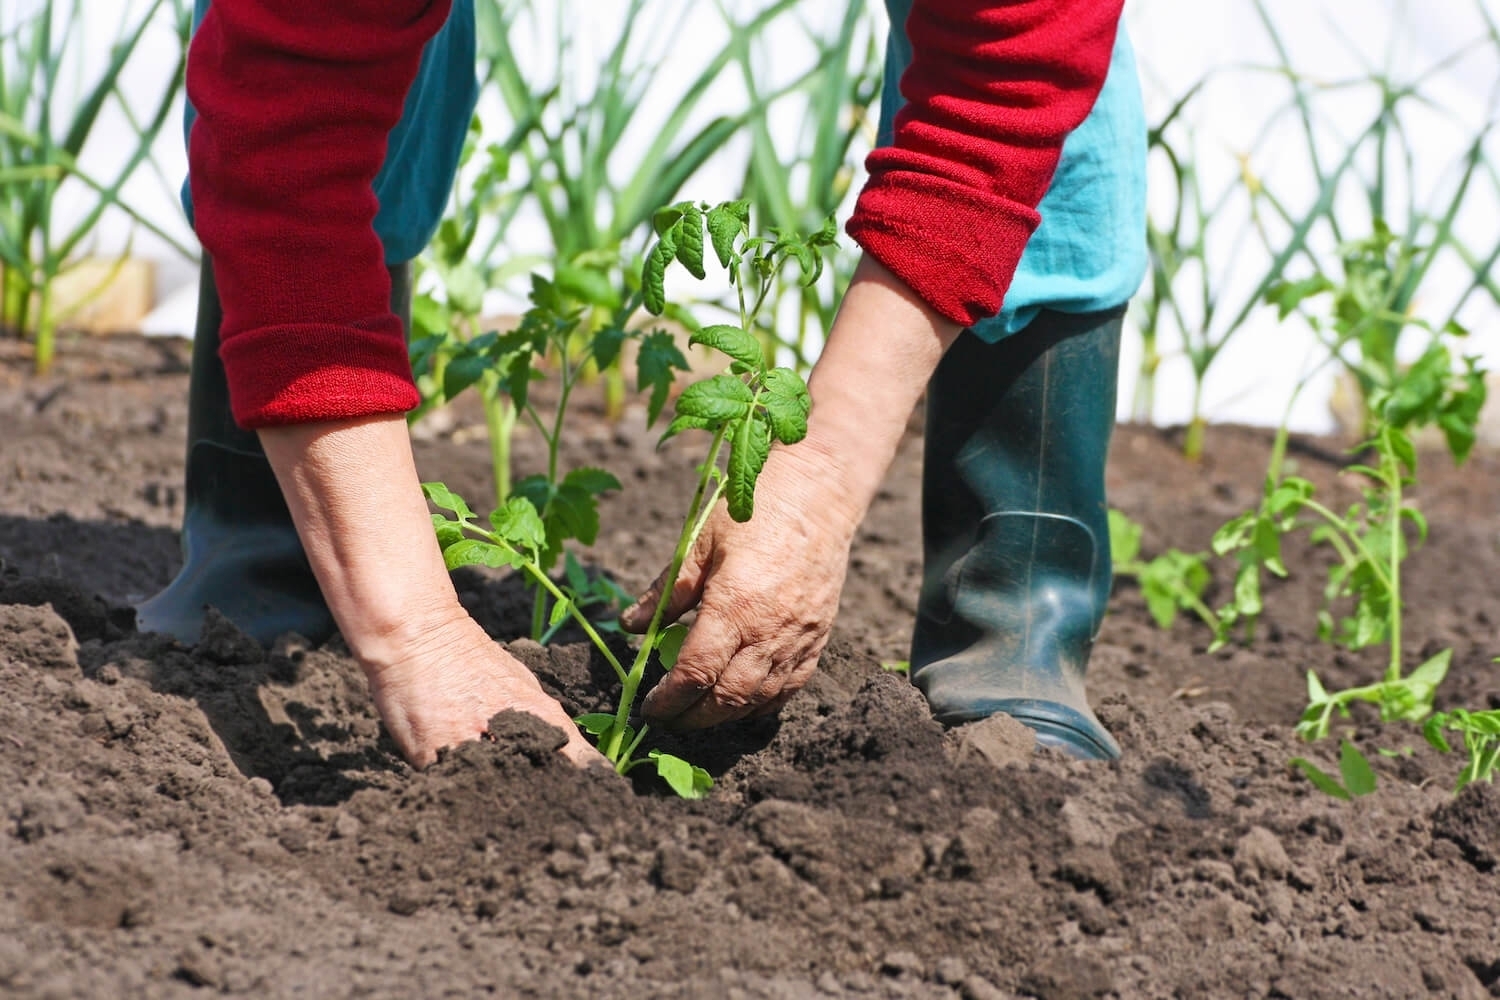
x=880 y=354
x=353 y=492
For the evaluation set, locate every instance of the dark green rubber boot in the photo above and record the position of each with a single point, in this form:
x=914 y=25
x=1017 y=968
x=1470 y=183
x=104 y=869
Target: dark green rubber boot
x=1015 y=528
x=241 y=554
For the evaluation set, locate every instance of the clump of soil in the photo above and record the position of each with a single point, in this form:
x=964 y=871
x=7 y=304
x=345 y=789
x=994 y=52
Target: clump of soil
x=226 y=818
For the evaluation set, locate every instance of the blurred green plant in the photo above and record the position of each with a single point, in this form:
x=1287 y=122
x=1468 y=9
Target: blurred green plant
x=1369 y=184
x=49 y=108
x=798 y=189
x=1173 y=582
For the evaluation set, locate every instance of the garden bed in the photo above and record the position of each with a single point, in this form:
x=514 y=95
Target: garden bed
x=178 y=821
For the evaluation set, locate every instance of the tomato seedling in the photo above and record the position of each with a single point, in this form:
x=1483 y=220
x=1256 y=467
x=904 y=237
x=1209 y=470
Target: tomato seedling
x=746 y=409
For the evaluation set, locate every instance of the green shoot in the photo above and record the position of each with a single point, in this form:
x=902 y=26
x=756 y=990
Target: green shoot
x=1359 y=777
x=1172 y=582
x=746 y=410
x=1481 y=736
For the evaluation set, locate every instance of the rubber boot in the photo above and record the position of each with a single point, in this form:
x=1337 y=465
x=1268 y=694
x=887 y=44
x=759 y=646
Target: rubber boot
x=1015 y=528
x=241 y=553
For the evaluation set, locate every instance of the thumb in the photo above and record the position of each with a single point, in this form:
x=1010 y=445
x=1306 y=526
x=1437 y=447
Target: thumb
x=686 y=593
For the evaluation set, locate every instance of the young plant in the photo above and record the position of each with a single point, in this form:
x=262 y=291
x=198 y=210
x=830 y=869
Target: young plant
x=1359 y=777
x=1171 y=583
x=1369 y=540
x=505 y=365
x=1481 y=736
x=746 y=410
x=42 y=138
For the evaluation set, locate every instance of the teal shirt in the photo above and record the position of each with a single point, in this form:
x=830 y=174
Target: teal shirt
x=1089 y=253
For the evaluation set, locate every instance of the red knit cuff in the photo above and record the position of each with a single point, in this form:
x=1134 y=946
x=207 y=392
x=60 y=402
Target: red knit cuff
x=956 y=246
x=311 y=372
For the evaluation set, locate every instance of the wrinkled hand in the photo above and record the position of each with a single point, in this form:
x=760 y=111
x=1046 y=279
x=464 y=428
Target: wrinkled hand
x=766 y=592
x=445 y=691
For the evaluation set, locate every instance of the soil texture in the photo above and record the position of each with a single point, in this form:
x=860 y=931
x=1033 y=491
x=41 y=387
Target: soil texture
x=221 y=818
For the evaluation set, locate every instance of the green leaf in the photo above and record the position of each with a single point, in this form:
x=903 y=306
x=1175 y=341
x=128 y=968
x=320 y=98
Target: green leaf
x=669 y=644
x=519 y=524
x=463 y=371
x=591 y=480
x=443 y=498
x=1431 y=673
x=658 y=358
x=472 y=552
x=1124 y=538
x=725 y=223
x=607 y=344
x=1316 y=693
x=1247 y=589
x=689 y=233
x=448 y=531
x=589 y=285
x=595 y=723
x=572 y=513
x=733 y=341
x=747 y=456
x=787 y=403
x=688 y=781
x=1318 y=778
x=654 y=273
x=720 y=398
x=1267 y=542
x=1359 y=777
x=1162 y=604
x=685 y=423
x=1233 y=534
x=560 y=610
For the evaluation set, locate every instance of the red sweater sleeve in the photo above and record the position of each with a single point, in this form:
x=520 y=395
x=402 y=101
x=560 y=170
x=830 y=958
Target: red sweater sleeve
x=993 y=89
x=295 y=101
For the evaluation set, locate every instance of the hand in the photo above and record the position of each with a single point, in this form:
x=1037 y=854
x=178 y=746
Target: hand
x=436 y=677
x=445 y=692
x=766 y=592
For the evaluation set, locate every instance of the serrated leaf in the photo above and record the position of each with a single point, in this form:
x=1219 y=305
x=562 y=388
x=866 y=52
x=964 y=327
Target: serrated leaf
x=1323 y=781
x=607 y=344
x=654 y=273
x=591 y=480
x=720 y=398
x=726 y=223
x=463 y=371
x=472 y=552
x=595 y=723
x=689 y=232
x=669 y=644
x=682 y=423
x=788 y=404
x=572 y=513
x=740 y=345
x=747 y=456
x=447 y=531
x=440 y=496
x=519 y=524
x=656 y=362
x=1359 y=777
x=687 y=781
x=663 y=219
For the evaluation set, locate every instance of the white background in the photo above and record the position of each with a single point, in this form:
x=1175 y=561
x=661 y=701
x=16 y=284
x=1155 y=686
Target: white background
x=1177 y=42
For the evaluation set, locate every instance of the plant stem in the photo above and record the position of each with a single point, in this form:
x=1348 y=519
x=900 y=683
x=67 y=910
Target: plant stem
x=692 y=527
x=46 y=328
x=1393 y=513
x=500 y=415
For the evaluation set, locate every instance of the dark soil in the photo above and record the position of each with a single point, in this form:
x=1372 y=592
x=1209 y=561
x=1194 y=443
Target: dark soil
x=179 y=821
